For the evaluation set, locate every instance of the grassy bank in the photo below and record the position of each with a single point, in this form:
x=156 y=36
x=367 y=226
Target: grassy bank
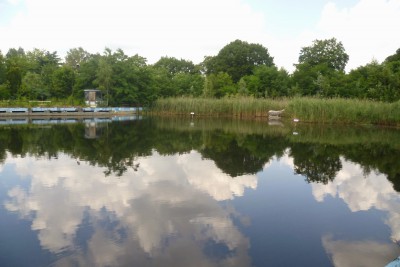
x=345 y=111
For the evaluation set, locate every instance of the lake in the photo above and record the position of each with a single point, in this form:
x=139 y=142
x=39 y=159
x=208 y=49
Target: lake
x=198 y=192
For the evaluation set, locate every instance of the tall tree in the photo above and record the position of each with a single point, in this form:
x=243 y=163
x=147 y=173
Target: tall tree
x=375 y=81
x=176 y=77
x=104 y=77
x=329 y=52
x=2 y=68
x=86 y=75
x=319 y=67
x=393 y=61
x=32 y=86
x=38 y=59
x=219 y=85
x=63 y=82
x=268 y=82
x=175 y=66
x=238 y=59
x=16 y=63
x=4 y=92
x=76 y=57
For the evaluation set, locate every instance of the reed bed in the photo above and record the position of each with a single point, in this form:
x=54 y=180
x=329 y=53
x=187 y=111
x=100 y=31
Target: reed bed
x=345 y=111
x=226 y=107
x=305 y=109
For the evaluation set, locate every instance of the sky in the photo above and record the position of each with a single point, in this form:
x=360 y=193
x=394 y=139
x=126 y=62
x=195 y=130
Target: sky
x=191 y=30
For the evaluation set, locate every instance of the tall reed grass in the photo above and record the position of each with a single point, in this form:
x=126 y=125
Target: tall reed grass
x=347 y=111
x=225 y=107
x=306 y=109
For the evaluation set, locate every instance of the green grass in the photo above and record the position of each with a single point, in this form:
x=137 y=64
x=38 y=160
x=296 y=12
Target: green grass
x=306 y=109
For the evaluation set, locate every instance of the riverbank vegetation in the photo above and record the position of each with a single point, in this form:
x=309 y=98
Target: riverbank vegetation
x=305 y=109
x=241 y=80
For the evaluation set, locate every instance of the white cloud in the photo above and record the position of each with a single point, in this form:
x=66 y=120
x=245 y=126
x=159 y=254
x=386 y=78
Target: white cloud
x=153 y=28
x=163 y=200
x=369 y=30
x=14 y=2
x=359 y=253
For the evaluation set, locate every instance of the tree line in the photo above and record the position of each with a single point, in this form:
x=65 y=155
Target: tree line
x=240 y=68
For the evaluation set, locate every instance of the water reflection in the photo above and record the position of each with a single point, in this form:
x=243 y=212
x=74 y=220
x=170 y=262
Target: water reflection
x=359 y=253
x=165 y=213
x=165 y=192
x=362 y=191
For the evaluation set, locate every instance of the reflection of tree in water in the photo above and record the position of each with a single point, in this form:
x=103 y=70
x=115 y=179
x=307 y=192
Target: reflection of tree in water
x=318 y=163
x=4 y=139
x=120 y=167
x=237 y=155
x=235 y=151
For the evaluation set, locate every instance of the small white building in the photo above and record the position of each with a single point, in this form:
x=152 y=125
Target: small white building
x=93 y=97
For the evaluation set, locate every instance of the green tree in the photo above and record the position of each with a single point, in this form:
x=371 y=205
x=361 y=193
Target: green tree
x=124 y=80
x=188 y=84
x=162 y=83
x=37 y=59
x=86 y=75
x=2 y=69
x=177 y=77
x=329 y=52
x=238 y=59
x=375 y=81
x=219 y=85
x=14 y=79
x=175 y=66
x=319 y=68
x=44 y=63
x=268 y=82
x=63 y=82
x=33 y=87
x=393 y=61
x=76 y=57
x=16 y=67
x=104 y=77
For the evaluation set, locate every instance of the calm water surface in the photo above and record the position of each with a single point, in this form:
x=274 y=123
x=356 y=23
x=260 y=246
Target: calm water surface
x=181 y=192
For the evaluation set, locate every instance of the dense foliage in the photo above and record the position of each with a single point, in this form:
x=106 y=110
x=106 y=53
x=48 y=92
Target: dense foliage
x=240 y=68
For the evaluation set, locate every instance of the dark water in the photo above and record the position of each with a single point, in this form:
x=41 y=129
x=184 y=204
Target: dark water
x=175 y=192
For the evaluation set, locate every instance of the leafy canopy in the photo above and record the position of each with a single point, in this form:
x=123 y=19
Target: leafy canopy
x=238 y=59
x=329 y=52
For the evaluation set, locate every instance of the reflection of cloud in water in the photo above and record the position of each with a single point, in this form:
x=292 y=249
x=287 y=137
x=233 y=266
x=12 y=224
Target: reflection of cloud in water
x=363 y=192
x=359 y=253
x=286 y=159
x=167 y=210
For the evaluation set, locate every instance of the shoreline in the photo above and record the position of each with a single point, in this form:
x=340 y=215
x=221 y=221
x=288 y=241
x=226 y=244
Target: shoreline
x=64 y=114
x=71 y=112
